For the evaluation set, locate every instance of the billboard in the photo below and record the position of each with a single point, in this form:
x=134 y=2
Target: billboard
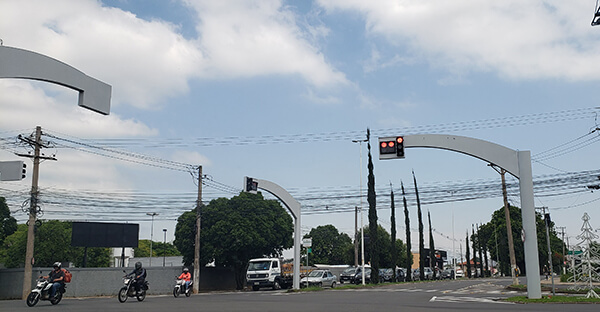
x=100 y=234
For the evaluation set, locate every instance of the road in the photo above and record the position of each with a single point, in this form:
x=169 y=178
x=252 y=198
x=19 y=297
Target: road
x=460 y=295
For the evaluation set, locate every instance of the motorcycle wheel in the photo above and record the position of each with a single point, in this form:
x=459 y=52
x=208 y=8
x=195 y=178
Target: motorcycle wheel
x=141 y=296
x=175 y=292
x=188 y=292
x=123 y=294
x=33 y=299
x=56 y=299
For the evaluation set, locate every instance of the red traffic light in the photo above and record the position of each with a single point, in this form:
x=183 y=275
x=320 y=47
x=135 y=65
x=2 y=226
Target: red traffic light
x=400 y=140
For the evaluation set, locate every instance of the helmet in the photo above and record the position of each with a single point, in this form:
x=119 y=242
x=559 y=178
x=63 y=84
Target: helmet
x=186 y=270
x=138 y=265
x=57 y=265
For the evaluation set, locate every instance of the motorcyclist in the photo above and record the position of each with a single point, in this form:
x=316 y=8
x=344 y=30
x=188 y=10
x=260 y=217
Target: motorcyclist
x=56 y=277
x=139 y=275
x=186 y=276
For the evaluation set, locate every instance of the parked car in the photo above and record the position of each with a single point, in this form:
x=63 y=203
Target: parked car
x=459 y=273
x=347 y=276
x=386 y=275
x=427 y=272
x=400 y=274
x=447 y=274
x=358 y=276
x=319 y=278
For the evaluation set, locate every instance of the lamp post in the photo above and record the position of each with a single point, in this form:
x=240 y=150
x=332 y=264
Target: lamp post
x=165 y=246
x=362 y=234
x=152 y=214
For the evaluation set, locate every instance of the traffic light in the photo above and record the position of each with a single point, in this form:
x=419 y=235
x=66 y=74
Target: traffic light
x=400 y=147
x=250 y=185
x=12 y=170
x=391 y=147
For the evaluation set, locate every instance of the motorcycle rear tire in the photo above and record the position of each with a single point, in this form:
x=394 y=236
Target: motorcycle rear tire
x=123 y=295
x=175 y=292
x=33 y=299
x=141 y=296
x=56 y=298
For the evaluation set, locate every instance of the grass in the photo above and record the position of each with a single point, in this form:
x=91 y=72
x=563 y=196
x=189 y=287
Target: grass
x=554 y=299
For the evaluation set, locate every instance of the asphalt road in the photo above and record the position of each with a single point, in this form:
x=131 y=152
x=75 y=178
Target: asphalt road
x=461 y=295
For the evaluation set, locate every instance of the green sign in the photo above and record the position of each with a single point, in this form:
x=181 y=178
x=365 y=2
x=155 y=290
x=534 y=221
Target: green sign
x=574 y=252
x=309 y=250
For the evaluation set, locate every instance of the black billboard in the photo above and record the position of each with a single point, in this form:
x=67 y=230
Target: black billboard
x=100 y=234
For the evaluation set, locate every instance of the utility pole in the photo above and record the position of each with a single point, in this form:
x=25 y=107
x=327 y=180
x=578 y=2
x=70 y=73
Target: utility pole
x=197 y=239
x=547 y=222
x=511 y=245
x=152 y=214
x=33 y=206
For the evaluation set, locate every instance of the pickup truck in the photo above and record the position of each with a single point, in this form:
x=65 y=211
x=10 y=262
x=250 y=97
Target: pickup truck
x=269 y=272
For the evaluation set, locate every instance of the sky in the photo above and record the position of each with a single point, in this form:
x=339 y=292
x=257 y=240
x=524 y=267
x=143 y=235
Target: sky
x=278 y=90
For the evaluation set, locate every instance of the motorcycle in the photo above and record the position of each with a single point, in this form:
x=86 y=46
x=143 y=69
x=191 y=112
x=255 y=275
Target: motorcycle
x=42 y=292
x=128 y=290
x=180 y=288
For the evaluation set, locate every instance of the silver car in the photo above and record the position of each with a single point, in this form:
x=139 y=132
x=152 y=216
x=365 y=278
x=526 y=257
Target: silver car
x=319 y=278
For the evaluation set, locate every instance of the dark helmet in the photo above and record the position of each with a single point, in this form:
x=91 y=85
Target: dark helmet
x=138 y=265
x=57 y=265
x=186 y=270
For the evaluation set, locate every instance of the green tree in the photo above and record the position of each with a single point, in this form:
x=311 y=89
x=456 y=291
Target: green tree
x=8 y=225
x=421 y=239
x=159 y=249
x=393 y=234
x=235 y=230
x=386 y=254
x=409 y=258
x=329 y=246
x=371 y=198
x=432 y=258
x=52 y=243
x=468 y=255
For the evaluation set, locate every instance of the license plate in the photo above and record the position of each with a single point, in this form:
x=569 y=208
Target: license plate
x=256 y=283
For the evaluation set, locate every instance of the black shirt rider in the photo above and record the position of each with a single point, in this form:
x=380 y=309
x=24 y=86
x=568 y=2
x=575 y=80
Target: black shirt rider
x=139 y=274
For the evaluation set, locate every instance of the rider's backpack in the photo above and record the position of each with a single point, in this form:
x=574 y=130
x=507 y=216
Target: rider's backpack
x=68 y=275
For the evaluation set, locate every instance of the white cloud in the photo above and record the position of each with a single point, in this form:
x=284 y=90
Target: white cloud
x=517 y=39
x=24 y=102
x=250 y=38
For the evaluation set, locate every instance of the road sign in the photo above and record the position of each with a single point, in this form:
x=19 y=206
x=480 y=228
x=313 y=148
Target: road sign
x=307 y=242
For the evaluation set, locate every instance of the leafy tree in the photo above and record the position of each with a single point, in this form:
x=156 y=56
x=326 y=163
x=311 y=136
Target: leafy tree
x=330 y=246
x=159 y=249
x=432 y=258
x=234 y=231
x=468 y=255
x=393 y=234
x=52 y=243
x=409 y=258
x=8 y=225
x=421 y=239
x=371 y=198
x=386 y=254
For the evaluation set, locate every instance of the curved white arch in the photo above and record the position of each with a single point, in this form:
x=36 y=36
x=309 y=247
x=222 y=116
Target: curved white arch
x=18 y=63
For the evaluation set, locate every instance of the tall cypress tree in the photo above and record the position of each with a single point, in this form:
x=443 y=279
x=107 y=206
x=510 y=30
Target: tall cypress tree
x=480 y=248
x=475 y=249
x=393 y=234
x=408 y=242
x=432 y=258
x=468 y=255
x=421 y=239
x=372 y=217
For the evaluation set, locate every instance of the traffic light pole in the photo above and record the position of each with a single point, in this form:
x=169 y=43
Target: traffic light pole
x=517 y=163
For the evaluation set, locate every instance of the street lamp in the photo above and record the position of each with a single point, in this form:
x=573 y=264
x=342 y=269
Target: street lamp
x=151 y=233
x=362 y=234
x=165 y=246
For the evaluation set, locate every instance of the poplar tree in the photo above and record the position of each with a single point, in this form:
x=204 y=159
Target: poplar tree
x=409 y=257
x=432 y=262
x=421 y=239
x=372 y=217
x=393 y=234
x=468 y=255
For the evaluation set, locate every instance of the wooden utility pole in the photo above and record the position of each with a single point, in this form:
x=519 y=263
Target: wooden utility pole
x=197 y=239
x=355 y=236
x=511 y=245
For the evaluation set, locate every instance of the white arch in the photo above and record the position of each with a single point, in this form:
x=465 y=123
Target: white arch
x=517 y=163
x=18 y=63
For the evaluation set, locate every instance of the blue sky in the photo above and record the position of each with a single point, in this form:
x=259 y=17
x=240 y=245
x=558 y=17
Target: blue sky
x=278 y=89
